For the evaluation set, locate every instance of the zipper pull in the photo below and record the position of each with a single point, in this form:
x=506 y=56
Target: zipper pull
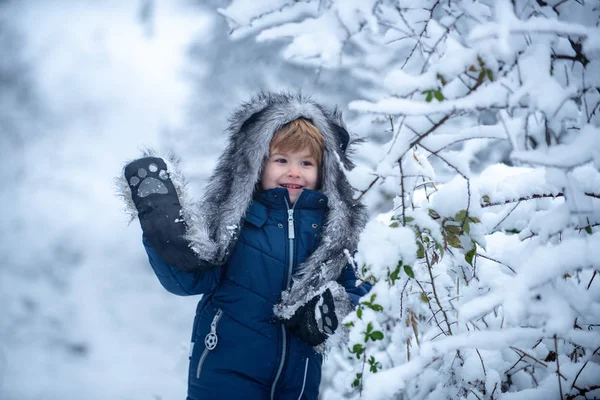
x=211 y=339
x=291 y=224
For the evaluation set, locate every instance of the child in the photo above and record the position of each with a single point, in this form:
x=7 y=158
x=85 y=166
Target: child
x=267 y=247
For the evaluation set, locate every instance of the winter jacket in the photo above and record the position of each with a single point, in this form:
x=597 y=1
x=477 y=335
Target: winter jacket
x=267 y=261
x=255 y=356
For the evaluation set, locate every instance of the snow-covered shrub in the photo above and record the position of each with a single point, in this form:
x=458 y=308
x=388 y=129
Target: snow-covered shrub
x=485 y=258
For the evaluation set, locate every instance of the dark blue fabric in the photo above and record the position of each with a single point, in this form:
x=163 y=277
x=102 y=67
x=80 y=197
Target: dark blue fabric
x=251 y=341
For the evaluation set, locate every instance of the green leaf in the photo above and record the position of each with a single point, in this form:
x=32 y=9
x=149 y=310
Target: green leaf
x=454 y=241
x=588 y=230
x=490 y=74
x=453 y=229
x=424 y=298
x=359 y=313
x=429 y=96
x=461 y=215
x=481 y=76
x=349 y=324
x=409 y=271
x=377 y=335
x=467 y=228
x=420 y=250
x=474 y=220
x=357 y=350
x=441 y=79
x=438 y=95
x=469 y=256
x=357 y=380
x=433 y=214
x=409 y=219
x=394 y=224
x=395 y=275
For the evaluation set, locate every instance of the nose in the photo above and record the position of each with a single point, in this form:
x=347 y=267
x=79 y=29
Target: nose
x=294 y=170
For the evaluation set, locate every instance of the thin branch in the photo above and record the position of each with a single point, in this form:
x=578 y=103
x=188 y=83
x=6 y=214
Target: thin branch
x=533 y=196
x=402 y=298
x=429 y=131
x=581 y=369
x=506 y=216
x=481 y=359
x=496 y=261
x=437 y=299
x=431 y=309
x=558 y=368
x=402 y=193
x=363 y=192
x=591 y=280
x=517 y=350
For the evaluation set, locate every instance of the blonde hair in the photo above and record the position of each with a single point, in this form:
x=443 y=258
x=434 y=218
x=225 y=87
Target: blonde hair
x=298 y=135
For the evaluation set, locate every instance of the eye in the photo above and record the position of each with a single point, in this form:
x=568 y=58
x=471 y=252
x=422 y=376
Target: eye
x=307 y=163
x=280 y=160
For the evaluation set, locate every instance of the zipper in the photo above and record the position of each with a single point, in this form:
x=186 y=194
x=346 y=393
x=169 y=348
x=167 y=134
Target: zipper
x=304 y=380
x=210 y=341
x=291 y=238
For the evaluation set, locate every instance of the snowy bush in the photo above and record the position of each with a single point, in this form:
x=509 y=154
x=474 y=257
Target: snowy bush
x=488 y=175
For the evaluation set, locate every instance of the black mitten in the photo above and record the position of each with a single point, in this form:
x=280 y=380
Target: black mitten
x=315 y=321
x=159 y=211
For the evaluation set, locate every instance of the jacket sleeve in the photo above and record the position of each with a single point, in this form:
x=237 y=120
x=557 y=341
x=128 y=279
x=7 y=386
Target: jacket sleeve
x=348 y=280
x=179 y=282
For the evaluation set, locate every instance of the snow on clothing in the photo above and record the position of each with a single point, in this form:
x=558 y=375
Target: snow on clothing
x=263 y=272
x=255 y=356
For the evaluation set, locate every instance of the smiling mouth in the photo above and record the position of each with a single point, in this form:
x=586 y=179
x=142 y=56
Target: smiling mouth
x=290 y=186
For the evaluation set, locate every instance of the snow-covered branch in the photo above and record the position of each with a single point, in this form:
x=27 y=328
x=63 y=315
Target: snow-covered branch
x=485 y=192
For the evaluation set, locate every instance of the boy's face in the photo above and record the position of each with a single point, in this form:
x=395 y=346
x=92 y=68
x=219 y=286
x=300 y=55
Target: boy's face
x=293 y=170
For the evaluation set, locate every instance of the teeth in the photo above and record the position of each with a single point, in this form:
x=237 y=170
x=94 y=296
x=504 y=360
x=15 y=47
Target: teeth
x=292 y=186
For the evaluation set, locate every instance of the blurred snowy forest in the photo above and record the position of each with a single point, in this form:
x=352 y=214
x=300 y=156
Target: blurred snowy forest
x=480 y=170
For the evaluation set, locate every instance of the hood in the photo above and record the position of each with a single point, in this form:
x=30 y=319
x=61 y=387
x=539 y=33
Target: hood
x=231 y=187
x=215 y=221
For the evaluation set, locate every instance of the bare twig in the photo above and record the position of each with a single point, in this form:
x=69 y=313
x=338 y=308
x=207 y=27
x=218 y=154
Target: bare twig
x=402 y=297
x=427 y=133
x=558 y=367
x=435 y=295
x=591 y=280
x=363 y=192
x=482 y=364
x=402 y=193
x=431 y=309
x=496 y=261
x=533 y=196
x=581 y=369
x=506 y=216
x=519 y=351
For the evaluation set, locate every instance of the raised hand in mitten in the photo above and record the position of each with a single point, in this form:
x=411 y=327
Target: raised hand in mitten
x=159 y=211
x=315 y=321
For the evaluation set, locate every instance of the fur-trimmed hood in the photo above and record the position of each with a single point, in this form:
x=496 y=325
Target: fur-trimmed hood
x=231 y=187
x=214 y=222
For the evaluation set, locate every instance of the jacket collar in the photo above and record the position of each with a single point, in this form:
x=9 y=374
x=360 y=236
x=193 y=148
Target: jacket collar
x=278 y=198
x=275 y=199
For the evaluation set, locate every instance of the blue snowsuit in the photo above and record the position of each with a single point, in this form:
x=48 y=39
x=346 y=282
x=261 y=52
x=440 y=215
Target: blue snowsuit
x=255 y=357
